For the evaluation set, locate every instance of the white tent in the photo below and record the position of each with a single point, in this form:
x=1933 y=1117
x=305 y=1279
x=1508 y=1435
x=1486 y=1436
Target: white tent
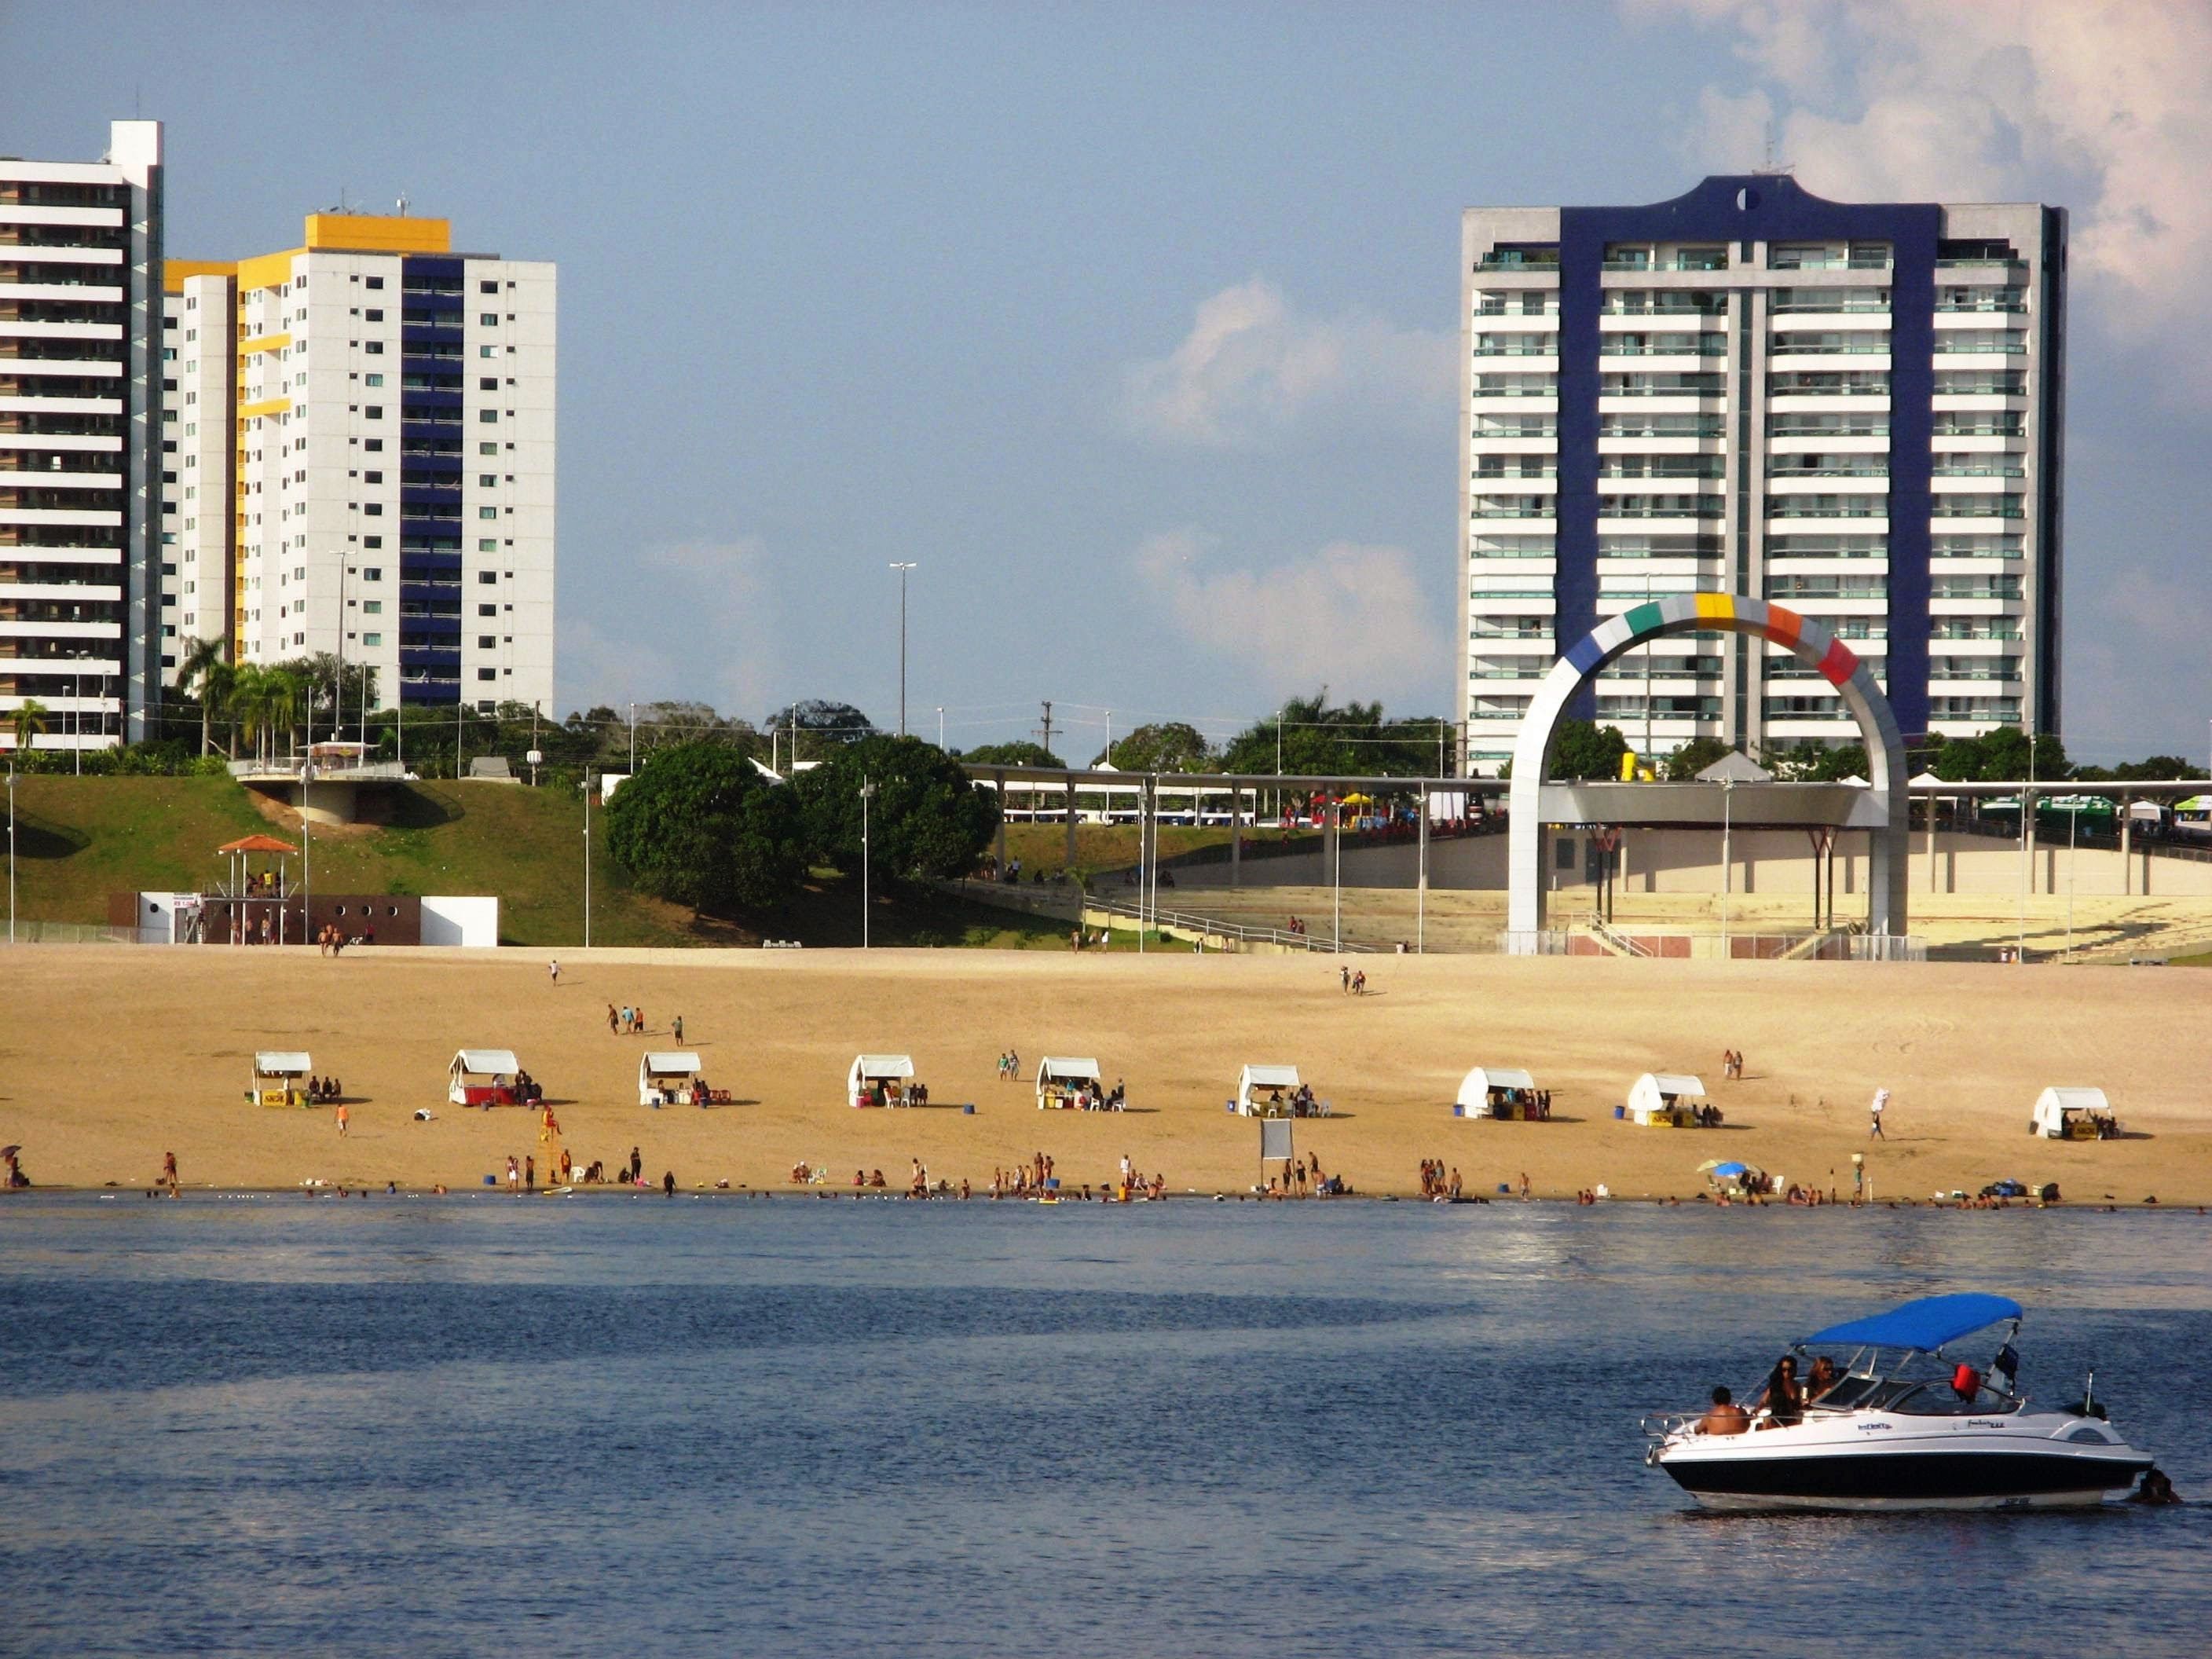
x=278 y=1074
x=870 y=1069
x=1657 y=1096
x=1475 y=1087
x=663 y=1075
x=2058 y=1111
x=1256 y=1078
x=1058 y=1075
x=496 y=1067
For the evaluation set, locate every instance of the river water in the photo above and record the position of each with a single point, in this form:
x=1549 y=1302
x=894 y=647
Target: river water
x=792 y=1426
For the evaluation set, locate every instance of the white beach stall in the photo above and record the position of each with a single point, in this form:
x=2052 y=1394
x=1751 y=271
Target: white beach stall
x=482 y=1076
x=1267 y=1079
x=1489 y=1091
x=280 y=1077
x=893 y=1070
x=1665 y=1100
x=1060 y=1079
x=2070 y=1113
x=667 y=1076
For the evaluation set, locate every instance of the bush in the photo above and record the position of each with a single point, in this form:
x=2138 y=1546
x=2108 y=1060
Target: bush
x=926 y=821
x=699 y=825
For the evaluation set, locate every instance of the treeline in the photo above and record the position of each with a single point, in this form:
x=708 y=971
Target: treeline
x=1584 y=750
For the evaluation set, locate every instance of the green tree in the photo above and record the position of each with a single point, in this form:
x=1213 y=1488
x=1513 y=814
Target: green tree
x=1318 y=740
x=699 y=825
x=926 y=820
x=1581 y=750
x=1168 y=746
x=205 y=666
x=28 y=720
x=815 y=728
x=1693 y=757
x=1012 y=754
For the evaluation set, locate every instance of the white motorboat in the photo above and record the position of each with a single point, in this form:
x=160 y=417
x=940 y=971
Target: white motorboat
x=1904 y=1426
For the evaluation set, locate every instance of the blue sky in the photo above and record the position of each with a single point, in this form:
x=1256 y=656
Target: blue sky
x=1134 y=325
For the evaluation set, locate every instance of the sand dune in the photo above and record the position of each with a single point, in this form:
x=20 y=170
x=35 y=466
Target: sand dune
x=115 y=1055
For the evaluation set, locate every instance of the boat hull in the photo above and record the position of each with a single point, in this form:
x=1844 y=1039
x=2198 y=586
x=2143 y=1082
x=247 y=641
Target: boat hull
x=1987 y=1477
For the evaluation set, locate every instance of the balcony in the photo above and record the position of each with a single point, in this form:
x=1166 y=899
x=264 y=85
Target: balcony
x=1981 y=467
x=1976 y=507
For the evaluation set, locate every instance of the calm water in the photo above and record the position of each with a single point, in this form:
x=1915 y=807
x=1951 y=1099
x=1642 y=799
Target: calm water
x=421 y=1427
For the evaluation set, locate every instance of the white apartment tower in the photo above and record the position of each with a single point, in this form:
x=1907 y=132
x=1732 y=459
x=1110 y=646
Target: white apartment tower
x=80 y=412
x=1855 y=410
x=367 y=461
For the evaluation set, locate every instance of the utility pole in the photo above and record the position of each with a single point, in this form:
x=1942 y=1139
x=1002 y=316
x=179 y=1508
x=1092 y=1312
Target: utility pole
x=867 y=793
x=903 y=569
x=460 y=733
x=633 y=737
x=940 y=726
x=587 y=855
x=1047 y=725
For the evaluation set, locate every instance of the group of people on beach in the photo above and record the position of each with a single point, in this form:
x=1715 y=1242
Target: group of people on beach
x=1731 y=1065
x=628 y=1020
x=1354 y=982
x=332 y=938
x=1435 y=1183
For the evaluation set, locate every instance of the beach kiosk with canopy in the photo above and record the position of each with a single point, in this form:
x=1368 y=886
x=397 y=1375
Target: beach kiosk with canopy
x=280 y=1077
x=1266 y=1091
x=1500 y=1091
x=671 y=1077
x=484 y=1077
x=1666 y=1100
x=879 y=1079
x=2073 y=1114
x=1064 y=1082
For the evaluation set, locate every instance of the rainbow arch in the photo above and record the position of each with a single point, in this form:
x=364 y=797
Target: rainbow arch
x=1700 y=613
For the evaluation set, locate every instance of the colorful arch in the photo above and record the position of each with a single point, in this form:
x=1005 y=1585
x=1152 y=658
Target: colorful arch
x=1696 y=613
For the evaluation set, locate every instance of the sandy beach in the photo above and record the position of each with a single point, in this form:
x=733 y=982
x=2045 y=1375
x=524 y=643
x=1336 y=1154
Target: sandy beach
x=115 y=1056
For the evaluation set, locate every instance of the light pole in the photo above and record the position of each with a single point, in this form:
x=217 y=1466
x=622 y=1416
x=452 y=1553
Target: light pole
x=587 y=858
x=940 y=726
x=1728 y=859
x=632 y=738
x=2073 y=845
x=11 y=853
x=306 y=854
x=903 y=569
x=867 y=793
x=2027 y=850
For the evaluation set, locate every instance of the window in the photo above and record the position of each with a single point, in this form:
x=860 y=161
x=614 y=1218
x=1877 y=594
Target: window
x=486 y=673
x=374 y=316
x=487 y=288
x=487 y=417
x=488 y=383
x=375 y=282
x=372 y=639
x=487 y=449
x=374 y=443
x=372 y=607
x=373 y=412
x=374 y=509
x=373 y=348
x=488 y=479
x=487 y=544
x=372 y=477
x=487 y=351
x=373 y=380
x=487 y=611
x=487 y=578
x=489 y=319
x=487 y=512
x=487 y=641
x=373 y=541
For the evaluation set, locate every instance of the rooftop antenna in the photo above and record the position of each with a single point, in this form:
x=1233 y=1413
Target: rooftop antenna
x=1771 y=167
x=402 y=205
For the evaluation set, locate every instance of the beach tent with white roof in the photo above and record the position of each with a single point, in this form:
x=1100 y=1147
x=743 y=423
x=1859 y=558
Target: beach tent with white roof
x=486 y=1074
x=1064 y=1072
x=280 y=1077
x=1256 y=1078
x=1659 y=1098
x=663 y=1072
x=2058 y=1110
x=870 y=1069
x=1474 y=1089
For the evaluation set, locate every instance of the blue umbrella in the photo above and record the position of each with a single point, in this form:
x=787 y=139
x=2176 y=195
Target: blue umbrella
x=1731 y=1169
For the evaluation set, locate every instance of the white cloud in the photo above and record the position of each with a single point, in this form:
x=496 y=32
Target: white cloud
x=692 y=619
x=1252 y=366
x=1352 y=615
x=1932 y=101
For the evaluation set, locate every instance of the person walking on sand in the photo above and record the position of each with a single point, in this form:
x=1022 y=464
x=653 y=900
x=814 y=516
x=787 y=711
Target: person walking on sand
x=637 y=1165
x=553 y=970
x=514 y=1174
x=344 y=1117
x=1343 y=978
x=613 y=1026
x=1880 y=1100
x=530 y=1173
x=677 y=1028
x=169 y=1172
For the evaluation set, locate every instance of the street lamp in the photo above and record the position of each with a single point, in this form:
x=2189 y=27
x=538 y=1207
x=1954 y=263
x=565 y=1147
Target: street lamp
x=867 y=794
x=587 y=858
x=11 y=853
x=1728 y=861
x=903 y=569
x=306 y=857
x=940 y=726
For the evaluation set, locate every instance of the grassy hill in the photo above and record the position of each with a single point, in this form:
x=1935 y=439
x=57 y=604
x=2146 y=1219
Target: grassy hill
x=79 y=840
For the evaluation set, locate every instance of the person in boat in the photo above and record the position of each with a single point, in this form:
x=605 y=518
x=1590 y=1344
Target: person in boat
x=1824 y=1376
x=1783 y=1396
x=1724 y=1416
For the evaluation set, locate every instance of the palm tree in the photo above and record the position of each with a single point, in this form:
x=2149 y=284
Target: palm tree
x=248 y=702
x=205 y=663
x=287 y=694
x=30 y=719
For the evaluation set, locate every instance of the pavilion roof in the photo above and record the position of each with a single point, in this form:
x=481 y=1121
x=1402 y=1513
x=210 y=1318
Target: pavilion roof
x=258 y=844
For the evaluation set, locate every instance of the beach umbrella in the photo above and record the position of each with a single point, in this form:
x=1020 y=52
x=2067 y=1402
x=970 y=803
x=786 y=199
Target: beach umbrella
x=1709 y=1166
x=10 y=1151
x=1731 y=1169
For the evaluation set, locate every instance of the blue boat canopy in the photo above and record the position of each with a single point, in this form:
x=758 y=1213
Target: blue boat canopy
x=1926 y=1324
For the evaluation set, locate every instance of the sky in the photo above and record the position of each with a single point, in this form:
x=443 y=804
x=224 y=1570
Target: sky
x=1132 y=327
